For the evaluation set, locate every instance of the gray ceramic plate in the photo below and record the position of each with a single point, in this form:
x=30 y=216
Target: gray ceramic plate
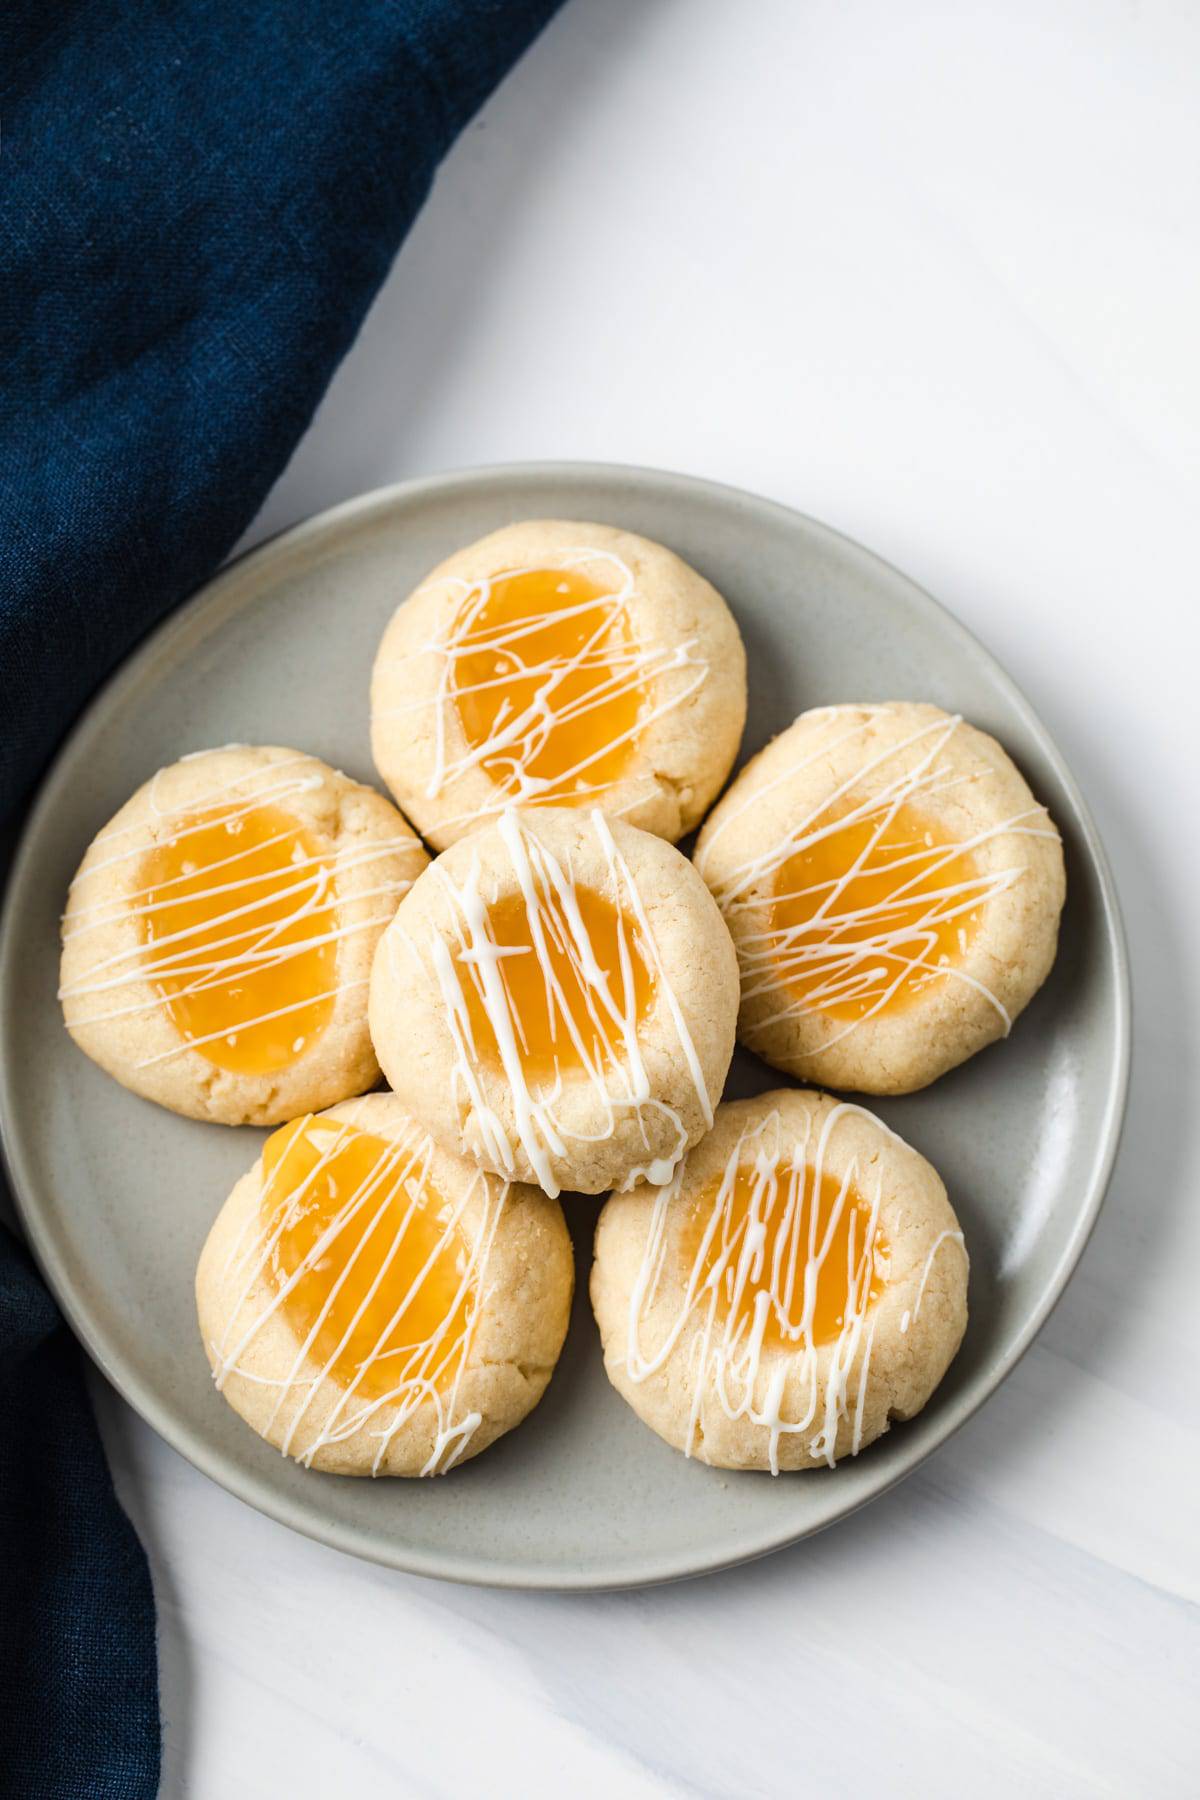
x=117 y=1196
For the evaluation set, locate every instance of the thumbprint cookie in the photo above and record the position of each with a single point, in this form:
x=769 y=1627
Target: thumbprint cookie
x=559 y=664
x=556 y=998
x=894 y=892
x=374 y=1306
x=800 y=1283
x=218 y=936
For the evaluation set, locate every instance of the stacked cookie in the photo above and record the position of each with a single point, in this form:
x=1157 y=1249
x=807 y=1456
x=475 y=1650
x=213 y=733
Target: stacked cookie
x=553 y=1002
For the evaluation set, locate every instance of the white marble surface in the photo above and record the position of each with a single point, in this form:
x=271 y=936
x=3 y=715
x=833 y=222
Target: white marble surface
x=930 y=272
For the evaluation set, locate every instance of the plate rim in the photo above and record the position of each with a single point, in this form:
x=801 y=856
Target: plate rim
x=249 y=1487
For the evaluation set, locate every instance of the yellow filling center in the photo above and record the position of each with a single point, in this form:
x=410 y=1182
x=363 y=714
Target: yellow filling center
x=237 y=913
x=586 y=989
x=867 y=914
x=545 y=682
x=810 y=1266
x=376 y=1264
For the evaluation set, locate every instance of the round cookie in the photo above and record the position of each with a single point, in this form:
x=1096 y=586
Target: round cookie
x=800 y=1283
x=893 y=889
x=559 y=663
x=374 y=1306
x=557 y=998
x=218 y=935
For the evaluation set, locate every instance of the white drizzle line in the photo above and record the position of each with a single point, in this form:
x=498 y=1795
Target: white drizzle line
x=605 y=1043
x=426 y=1373
x=852 y=970
x=910 y=1317
x=727 y=1354
x=245 y=948
x=516 y=738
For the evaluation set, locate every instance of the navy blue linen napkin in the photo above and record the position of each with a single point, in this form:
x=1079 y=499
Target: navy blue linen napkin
x=198 y=201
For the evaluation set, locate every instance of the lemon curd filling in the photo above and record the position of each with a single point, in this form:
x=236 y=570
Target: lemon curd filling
x=545 y=682
x=801 y=1250
x=237 y=915
x=372 y=1261
x=870 y=910
x=584 y=992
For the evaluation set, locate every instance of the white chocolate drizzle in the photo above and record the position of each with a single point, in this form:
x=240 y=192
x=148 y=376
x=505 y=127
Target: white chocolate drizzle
x=864 y=954
x=610 y=650
x=190 y=959
x=602 y=1049
x=950 y=1236
x=425 y=1373
x=722 y=1317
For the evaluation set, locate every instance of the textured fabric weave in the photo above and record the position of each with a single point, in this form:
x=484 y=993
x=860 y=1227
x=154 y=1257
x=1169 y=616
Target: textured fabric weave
x=198 y=200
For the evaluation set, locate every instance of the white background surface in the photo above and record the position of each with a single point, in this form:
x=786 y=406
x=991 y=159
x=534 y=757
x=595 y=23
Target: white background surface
x=931 y=273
